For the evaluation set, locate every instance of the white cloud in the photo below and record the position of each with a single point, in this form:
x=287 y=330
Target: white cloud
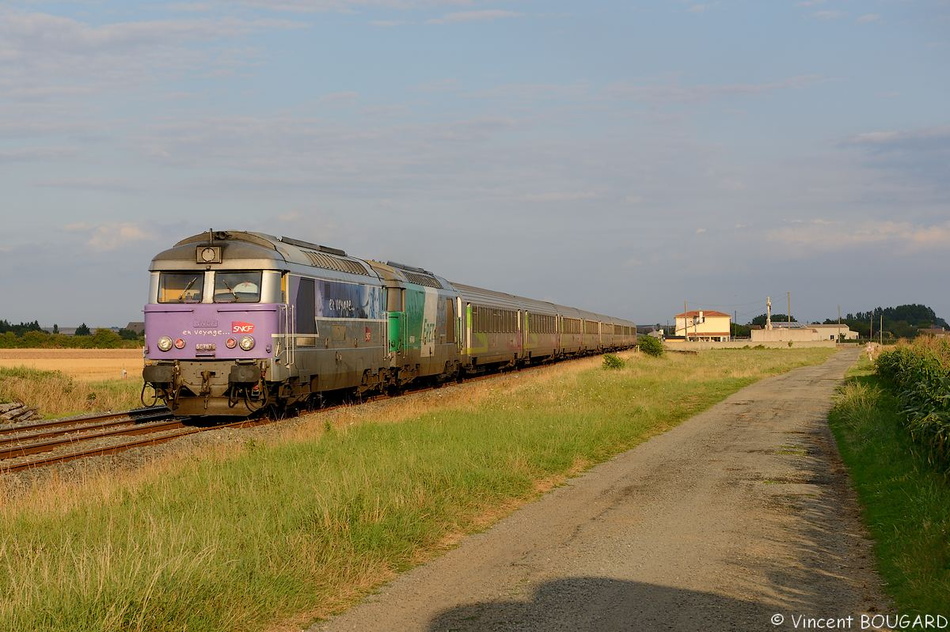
x=37 y=154
x=475 y=16
x=889 y=237
x=90 y=184
x=339 y=98
x=110 y=236
x=918 y=155
x=675 y=93
x=828 y=15
x=561 y=196
x=349 y=6
x=900 y=140
x=39 y=31
x=50 y=57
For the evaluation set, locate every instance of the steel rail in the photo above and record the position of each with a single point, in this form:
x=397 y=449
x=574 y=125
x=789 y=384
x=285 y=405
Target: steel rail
x=61 y=431
x=70 y=438
x=134 y=414
x=72 y=456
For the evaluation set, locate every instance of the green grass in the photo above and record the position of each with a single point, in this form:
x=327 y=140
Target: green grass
x=906 y=503
x=290 y=529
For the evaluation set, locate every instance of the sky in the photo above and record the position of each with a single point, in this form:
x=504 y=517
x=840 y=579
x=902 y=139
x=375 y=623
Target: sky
x=630 y=157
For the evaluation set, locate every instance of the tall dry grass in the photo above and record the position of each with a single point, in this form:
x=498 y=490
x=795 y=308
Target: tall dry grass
x=55 y=394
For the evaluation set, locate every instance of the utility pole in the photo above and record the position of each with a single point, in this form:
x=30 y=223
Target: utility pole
x=838 y=339
x=685 y=325
x=788 y=317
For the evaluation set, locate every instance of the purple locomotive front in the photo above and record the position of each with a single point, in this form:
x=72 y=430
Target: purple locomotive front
x=213 y=319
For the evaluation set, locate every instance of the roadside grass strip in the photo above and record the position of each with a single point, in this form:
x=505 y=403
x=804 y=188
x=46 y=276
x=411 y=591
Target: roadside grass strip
x=906 y=502
x=276 y=531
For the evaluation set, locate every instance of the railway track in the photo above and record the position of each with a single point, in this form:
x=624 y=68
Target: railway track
x=42 y=444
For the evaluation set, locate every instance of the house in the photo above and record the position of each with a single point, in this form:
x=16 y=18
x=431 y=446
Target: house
x=137 y=326
x=834 y=331
x=704 y=325
x=802 y=332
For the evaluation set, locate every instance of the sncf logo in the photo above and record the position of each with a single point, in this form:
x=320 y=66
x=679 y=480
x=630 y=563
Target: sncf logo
x=238 y=327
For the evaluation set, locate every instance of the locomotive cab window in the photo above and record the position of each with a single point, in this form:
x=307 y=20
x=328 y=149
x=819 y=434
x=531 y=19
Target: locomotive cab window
x=180 y=287
x=237 y=287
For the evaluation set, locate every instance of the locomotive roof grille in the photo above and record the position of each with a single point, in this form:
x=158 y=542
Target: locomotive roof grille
x=419 y=276
x=327 y=262
x=422 y=279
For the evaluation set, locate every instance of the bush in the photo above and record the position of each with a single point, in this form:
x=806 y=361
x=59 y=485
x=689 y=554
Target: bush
x=919 y=375
x=651 y=345
x=612 y=361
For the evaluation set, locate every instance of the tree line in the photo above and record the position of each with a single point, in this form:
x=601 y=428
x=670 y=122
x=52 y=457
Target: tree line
x=903 y=321
x=31 y=335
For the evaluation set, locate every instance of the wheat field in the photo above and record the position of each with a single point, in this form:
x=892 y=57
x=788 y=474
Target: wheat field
x=85 y=365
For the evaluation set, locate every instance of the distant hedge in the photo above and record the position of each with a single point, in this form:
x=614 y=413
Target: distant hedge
x=101 y=339
x=919 y=375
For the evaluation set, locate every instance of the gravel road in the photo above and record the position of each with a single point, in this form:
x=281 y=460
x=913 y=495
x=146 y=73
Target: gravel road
x=741 y=518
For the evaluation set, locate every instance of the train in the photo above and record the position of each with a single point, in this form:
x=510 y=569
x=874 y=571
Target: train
x=238 y=322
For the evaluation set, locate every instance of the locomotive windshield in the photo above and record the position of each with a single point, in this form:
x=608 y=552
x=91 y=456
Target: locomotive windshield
x=237 y=287
x=180 y=287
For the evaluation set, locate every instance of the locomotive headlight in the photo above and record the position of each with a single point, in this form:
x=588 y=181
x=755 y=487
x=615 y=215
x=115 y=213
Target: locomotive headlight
x=180 y=344
x=231 y=343
x=247 y=343
x=165 y=343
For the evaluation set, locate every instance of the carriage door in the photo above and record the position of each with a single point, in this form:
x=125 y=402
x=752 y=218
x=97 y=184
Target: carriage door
x=396 y=316
x=305 y=321
x=451 y=323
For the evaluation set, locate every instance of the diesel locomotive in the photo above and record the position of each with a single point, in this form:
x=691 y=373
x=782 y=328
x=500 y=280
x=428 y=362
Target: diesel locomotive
x=238 y=321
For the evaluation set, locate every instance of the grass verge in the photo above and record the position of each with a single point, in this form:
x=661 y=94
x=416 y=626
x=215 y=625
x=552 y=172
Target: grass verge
x=278 y=530
x=906 y=503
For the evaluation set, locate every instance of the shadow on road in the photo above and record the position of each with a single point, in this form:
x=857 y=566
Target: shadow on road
x=597 y=604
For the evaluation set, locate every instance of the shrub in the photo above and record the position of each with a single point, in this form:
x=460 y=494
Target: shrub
x=612 y=361
x=919 y=375
x=651 y=345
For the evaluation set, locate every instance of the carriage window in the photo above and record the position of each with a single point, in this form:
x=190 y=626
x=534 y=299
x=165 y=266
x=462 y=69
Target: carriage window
x=237 y=287
x=180 y=287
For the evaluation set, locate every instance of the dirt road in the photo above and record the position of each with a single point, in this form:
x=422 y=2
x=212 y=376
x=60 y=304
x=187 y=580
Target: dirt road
x=739 y=519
